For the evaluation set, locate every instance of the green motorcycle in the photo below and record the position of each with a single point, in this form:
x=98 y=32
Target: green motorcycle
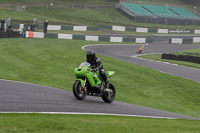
x=88 y=82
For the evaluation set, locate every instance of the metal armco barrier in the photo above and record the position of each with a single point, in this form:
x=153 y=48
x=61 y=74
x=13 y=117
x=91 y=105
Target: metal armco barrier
x=187 y=58
x=9 y=34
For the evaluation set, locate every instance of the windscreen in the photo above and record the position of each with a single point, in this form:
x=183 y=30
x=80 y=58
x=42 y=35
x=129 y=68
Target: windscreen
x=83 y=64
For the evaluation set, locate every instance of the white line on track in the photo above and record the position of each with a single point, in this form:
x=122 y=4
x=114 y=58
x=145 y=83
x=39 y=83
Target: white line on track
x=83 y=47
x=144 y=54
x=79 y=113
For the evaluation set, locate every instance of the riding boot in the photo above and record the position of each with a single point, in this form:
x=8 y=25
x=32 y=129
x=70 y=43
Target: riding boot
x=106 y=83
x=105 y=80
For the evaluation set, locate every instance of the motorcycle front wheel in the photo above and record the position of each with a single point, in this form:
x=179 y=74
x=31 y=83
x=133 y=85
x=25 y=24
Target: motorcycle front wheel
x=79 y=92
x=109 y=96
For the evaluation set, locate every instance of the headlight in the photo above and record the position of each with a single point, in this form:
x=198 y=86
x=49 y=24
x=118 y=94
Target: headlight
x=88 y=69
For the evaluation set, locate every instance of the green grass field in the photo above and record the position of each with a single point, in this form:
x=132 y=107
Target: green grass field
x=193 y=52
x=80 y=16
x=94 y=17
x=24 y=16
x=44 y=123
x=59 y=1
x=51 y=62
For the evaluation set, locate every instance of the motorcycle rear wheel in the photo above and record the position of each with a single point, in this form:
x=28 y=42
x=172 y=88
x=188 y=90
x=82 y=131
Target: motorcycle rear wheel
x=78 y=91
x=108 y=98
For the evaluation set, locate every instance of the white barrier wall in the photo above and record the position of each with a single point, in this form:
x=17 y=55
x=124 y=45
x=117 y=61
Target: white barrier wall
x=80 y=28
x=196 y=31
x=196 y=40
x=177 y=40
x=21 y=26
x=142 y=30
x=38 y=35
x=92 y=38
x=54 y=27
x=163 y=30
x=86 y=37
x=140 y=40
x=65 y=36
x=116 y=39
x=118 y=28
x=27 y=34
x=35 y=34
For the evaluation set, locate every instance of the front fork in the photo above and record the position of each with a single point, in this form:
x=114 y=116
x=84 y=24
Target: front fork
x=84 y=88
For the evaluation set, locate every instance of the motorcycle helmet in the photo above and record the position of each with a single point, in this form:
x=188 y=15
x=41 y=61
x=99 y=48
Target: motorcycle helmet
x=90 y=57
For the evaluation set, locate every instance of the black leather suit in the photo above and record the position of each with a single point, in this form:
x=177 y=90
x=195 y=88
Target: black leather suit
x=96 y=64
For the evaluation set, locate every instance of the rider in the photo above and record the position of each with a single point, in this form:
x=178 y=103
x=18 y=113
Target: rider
x=97 y=65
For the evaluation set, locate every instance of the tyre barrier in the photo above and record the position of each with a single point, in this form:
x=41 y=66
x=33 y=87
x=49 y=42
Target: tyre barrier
x=9 y=34
x=187 y=58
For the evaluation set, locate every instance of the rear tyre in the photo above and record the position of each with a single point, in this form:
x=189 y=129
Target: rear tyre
x=78 y=90
x=109 y=96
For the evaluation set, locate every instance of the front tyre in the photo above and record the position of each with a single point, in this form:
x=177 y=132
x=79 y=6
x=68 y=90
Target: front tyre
x=79 y=92
x=109 y=94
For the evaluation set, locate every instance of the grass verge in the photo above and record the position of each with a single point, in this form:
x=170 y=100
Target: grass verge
x=51 y=62
x=45 y=123
x=193 y=52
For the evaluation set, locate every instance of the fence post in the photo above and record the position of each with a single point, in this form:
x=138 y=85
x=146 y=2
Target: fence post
x=45 y=26
x=2 y=25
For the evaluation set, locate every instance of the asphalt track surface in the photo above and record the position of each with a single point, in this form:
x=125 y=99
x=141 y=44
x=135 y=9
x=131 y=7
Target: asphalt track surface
x=25 y=97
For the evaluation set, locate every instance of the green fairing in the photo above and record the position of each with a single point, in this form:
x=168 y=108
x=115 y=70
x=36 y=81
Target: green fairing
x=110 y=73
x=82 y=82
x=92 y=77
